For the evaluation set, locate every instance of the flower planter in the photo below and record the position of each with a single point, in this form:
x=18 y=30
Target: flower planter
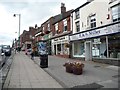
x=77 y=70
x=69 y=69
x=75 y=67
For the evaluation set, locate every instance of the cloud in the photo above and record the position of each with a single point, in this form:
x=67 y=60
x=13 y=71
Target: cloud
x=32 y=12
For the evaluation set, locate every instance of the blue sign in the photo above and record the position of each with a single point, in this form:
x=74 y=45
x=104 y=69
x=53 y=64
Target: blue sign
x=42 y=48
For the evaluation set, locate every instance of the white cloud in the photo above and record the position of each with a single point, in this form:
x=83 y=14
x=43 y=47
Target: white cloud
x=8 y=26
x=32 y=12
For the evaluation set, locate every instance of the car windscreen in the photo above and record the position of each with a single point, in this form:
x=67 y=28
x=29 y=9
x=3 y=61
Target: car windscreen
x=6 y=47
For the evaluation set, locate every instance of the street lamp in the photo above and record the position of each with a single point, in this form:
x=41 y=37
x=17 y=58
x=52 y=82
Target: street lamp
x=19 y=28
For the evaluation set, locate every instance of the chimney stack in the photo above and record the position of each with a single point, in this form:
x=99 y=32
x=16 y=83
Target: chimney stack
x=63 y=8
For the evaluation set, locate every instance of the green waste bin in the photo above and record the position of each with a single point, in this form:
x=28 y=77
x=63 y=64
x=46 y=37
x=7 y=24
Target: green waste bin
x=44 y=61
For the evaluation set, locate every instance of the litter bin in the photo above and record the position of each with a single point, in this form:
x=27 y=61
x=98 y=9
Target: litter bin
x=44 y=61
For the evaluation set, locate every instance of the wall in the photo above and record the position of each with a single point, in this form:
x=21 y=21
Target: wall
x=98 y=7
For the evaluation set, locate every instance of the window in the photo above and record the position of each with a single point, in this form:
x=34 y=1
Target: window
x=48 y=26
x=65 y=25
x=77 y=26
x=77 y=14
x=116 y=13
x=56 y=27
x=43 y=28
x=92 y=21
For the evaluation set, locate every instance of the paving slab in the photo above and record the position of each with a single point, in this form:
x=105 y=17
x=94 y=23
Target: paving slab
x=24 y=73
x=93 y=73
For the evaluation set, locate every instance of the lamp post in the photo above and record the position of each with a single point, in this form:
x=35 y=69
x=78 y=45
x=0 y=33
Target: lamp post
x=19 y=28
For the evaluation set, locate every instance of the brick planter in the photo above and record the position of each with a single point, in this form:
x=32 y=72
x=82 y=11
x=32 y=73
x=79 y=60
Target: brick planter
x=75 y=68
x=69 y=67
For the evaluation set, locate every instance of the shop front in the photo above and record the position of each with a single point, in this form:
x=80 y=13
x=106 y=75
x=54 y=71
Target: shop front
x=60 y=46
x=99 y=43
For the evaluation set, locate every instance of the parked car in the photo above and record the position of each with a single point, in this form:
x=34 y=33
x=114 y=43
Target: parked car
x=6 y=49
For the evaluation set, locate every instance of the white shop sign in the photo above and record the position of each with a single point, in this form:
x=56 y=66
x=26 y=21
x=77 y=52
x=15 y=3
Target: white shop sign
x=97 y=32
x=60 y=39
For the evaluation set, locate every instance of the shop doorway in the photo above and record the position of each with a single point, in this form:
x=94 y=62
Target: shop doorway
x=88 y=50
x=54 y=49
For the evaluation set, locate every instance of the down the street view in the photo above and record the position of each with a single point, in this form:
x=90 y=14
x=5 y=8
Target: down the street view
x=60 y=44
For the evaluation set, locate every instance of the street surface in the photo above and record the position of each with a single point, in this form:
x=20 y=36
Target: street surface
x=26 y=73
x=4 y=68
x=95 y=75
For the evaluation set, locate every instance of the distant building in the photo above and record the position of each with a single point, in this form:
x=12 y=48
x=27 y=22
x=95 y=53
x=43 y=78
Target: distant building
x=27 y=38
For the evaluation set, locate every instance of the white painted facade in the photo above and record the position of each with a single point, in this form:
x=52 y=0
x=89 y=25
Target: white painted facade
x=98 y=7
x=93 y=42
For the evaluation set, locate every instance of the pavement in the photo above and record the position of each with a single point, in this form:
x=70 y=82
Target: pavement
x=24 y=73
x=27 y=73
x=95 y=75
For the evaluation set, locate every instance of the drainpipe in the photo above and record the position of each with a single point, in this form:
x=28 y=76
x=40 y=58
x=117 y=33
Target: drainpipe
x=107 y=46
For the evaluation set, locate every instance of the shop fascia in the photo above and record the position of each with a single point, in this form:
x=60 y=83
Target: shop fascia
x=61 y=39
x=111 y=29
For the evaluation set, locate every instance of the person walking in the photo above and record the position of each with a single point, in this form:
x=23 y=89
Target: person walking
x=32 y=53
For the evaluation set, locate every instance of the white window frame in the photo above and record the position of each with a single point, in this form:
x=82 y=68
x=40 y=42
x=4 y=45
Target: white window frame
x=77 y=26
x=92 y=21
x=48 y=26
x=115 y=13
x=56 y=28
x=65 y=24
x=77 y=14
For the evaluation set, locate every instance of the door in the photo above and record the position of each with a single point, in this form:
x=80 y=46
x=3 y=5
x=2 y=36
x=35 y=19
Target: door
x=88 y=50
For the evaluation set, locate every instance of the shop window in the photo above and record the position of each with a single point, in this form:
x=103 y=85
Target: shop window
x=114 y=46
x=79 y=49
x=77 y=26
x=99 y=47
x=116 y=13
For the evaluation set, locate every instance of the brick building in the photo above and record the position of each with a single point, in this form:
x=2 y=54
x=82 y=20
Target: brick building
x=27 y=38
x=61 y=31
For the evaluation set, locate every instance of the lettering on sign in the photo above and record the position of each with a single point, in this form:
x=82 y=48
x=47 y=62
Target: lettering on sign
x=97 y=32
x=89 y=33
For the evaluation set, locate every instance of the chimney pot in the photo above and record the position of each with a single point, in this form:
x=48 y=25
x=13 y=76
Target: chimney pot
x=63 y=8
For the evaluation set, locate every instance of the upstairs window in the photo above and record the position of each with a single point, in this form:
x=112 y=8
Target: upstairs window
x=92 y=21
x=65 y=25
x=43 y=28
x=77 y=15
x=56 y=27
x=77 y=26
x=48 y=26
x=116 y=13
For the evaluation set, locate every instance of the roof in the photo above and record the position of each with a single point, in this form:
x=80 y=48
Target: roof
x=61 y=16
x=81 y=6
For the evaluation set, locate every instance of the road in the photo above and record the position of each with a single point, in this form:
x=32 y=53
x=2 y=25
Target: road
x=5 y=62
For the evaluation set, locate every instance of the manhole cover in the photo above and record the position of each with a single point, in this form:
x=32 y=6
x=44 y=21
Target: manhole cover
x=92 y=85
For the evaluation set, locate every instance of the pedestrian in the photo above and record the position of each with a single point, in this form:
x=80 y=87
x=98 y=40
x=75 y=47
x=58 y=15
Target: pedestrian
x=32 y=53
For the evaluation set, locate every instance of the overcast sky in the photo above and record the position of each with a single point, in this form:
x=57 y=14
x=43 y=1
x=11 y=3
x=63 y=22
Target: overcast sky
x=32 y=12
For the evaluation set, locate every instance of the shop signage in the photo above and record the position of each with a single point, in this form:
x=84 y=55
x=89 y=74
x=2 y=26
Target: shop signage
x=97 y=32
x=61 y=38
